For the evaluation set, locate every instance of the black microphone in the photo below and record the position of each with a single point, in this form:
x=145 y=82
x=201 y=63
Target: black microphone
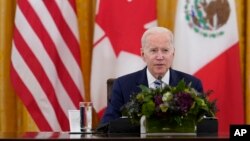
x=159 y=78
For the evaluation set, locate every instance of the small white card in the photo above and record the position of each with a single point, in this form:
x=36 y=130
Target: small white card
x=74 y=120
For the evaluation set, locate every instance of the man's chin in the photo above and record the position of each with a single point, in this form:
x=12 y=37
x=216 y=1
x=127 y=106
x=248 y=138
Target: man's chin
x=160 y=74
x=160 y=70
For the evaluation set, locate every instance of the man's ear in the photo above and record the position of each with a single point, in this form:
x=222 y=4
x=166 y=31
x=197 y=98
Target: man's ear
x=142 y=53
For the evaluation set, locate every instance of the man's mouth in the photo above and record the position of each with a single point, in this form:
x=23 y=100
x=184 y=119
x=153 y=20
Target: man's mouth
x=159 y=65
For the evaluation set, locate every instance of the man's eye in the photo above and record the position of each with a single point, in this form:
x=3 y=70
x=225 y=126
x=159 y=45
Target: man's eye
x=153 y=50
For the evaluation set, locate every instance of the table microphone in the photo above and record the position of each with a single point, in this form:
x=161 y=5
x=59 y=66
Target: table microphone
x=159 y=78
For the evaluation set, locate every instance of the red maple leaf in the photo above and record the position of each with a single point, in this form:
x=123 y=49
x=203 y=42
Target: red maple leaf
x=123 y=21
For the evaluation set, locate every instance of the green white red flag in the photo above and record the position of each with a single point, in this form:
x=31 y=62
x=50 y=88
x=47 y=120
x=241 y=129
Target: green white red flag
x=207 y=46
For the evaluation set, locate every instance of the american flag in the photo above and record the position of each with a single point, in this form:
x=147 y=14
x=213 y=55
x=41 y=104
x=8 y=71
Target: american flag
x=45 y=61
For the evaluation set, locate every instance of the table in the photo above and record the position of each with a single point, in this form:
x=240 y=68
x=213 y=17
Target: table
x=102 y=136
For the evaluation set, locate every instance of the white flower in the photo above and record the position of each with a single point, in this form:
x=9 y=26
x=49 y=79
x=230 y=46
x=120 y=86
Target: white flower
x=167 y=96
x=164 y=107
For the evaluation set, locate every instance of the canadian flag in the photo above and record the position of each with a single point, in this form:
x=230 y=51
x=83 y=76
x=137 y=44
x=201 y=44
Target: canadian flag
x=118 y=29
x=207 y=45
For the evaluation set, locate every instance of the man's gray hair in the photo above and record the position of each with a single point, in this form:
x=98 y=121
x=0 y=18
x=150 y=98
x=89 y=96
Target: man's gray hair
x=154 y=30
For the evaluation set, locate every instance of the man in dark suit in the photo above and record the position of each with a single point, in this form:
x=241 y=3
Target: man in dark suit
x=157 y=52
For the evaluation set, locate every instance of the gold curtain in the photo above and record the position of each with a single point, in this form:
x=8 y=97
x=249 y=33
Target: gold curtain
x=247 y=62
x=14 y=116
x=7 y=97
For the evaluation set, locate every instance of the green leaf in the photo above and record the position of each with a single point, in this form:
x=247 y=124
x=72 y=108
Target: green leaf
x=144 y=89
x=181 y=85
x=148 y=108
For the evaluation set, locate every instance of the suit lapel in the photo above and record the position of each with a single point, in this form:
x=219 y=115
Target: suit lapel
x=142 y=78
x=173 y=78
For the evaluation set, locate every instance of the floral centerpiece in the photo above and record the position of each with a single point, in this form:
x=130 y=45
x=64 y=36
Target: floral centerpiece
x=170 y=109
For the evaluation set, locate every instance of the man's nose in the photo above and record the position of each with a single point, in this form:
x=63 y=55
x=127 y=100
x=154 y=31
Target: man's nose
x=159 y=55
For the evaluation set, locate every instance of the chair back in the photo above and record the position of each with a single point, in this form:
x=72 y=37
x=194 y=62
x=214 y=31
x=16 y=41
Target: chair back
x=110 y=82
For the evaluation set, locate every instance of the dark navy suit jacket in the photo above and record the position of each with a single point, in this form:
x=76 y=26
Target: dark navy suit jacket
x=128 y=84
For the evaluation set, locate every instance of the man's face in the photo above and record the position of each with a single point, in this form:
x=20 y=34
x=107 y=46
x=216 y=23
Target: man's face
x=158 y=54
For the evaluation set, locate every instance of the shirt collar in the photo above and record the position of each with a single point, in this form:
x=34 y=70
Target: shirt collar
x=165 y=79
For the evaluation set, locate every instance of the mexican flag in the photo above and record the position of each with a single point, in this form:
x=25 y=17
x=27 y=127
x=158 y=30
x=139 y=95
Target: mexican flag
x=207 y=46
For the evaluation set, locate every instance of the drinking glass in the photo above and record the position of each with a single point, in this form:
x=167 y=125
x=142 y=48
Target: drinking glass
x=86 y=116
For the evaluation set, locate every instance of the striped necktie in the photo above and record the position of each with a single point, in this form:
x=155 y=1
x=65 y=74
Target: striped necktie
x=157 y=83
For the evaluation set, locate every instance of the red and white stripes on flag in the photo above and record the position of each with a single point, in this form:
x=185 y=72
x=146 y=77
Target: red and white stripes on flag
x=119 y=26
x=45 y=61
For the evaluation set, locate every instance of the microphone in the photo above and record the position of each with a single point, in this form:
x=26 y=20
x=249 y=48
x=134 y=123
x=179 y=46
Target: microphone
x=159 y=78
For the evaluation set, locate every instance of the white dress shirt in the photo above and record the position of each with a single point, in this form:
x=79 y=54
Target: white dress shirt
x=165 y=79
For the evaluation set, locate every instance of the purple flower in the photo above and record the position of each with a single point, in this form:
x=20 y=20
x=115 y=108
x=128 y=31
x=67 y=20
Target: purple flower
x=158 y=100
x=182 y=102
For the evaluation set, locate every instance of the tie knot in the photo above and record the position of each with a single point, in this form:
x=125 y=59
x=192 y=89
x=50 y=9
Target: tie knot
x=157 y=83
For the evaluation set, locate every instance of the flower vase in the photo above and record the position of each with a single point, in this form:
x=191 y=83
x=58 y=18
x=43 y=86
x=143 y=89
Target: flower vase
x=165 y=125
